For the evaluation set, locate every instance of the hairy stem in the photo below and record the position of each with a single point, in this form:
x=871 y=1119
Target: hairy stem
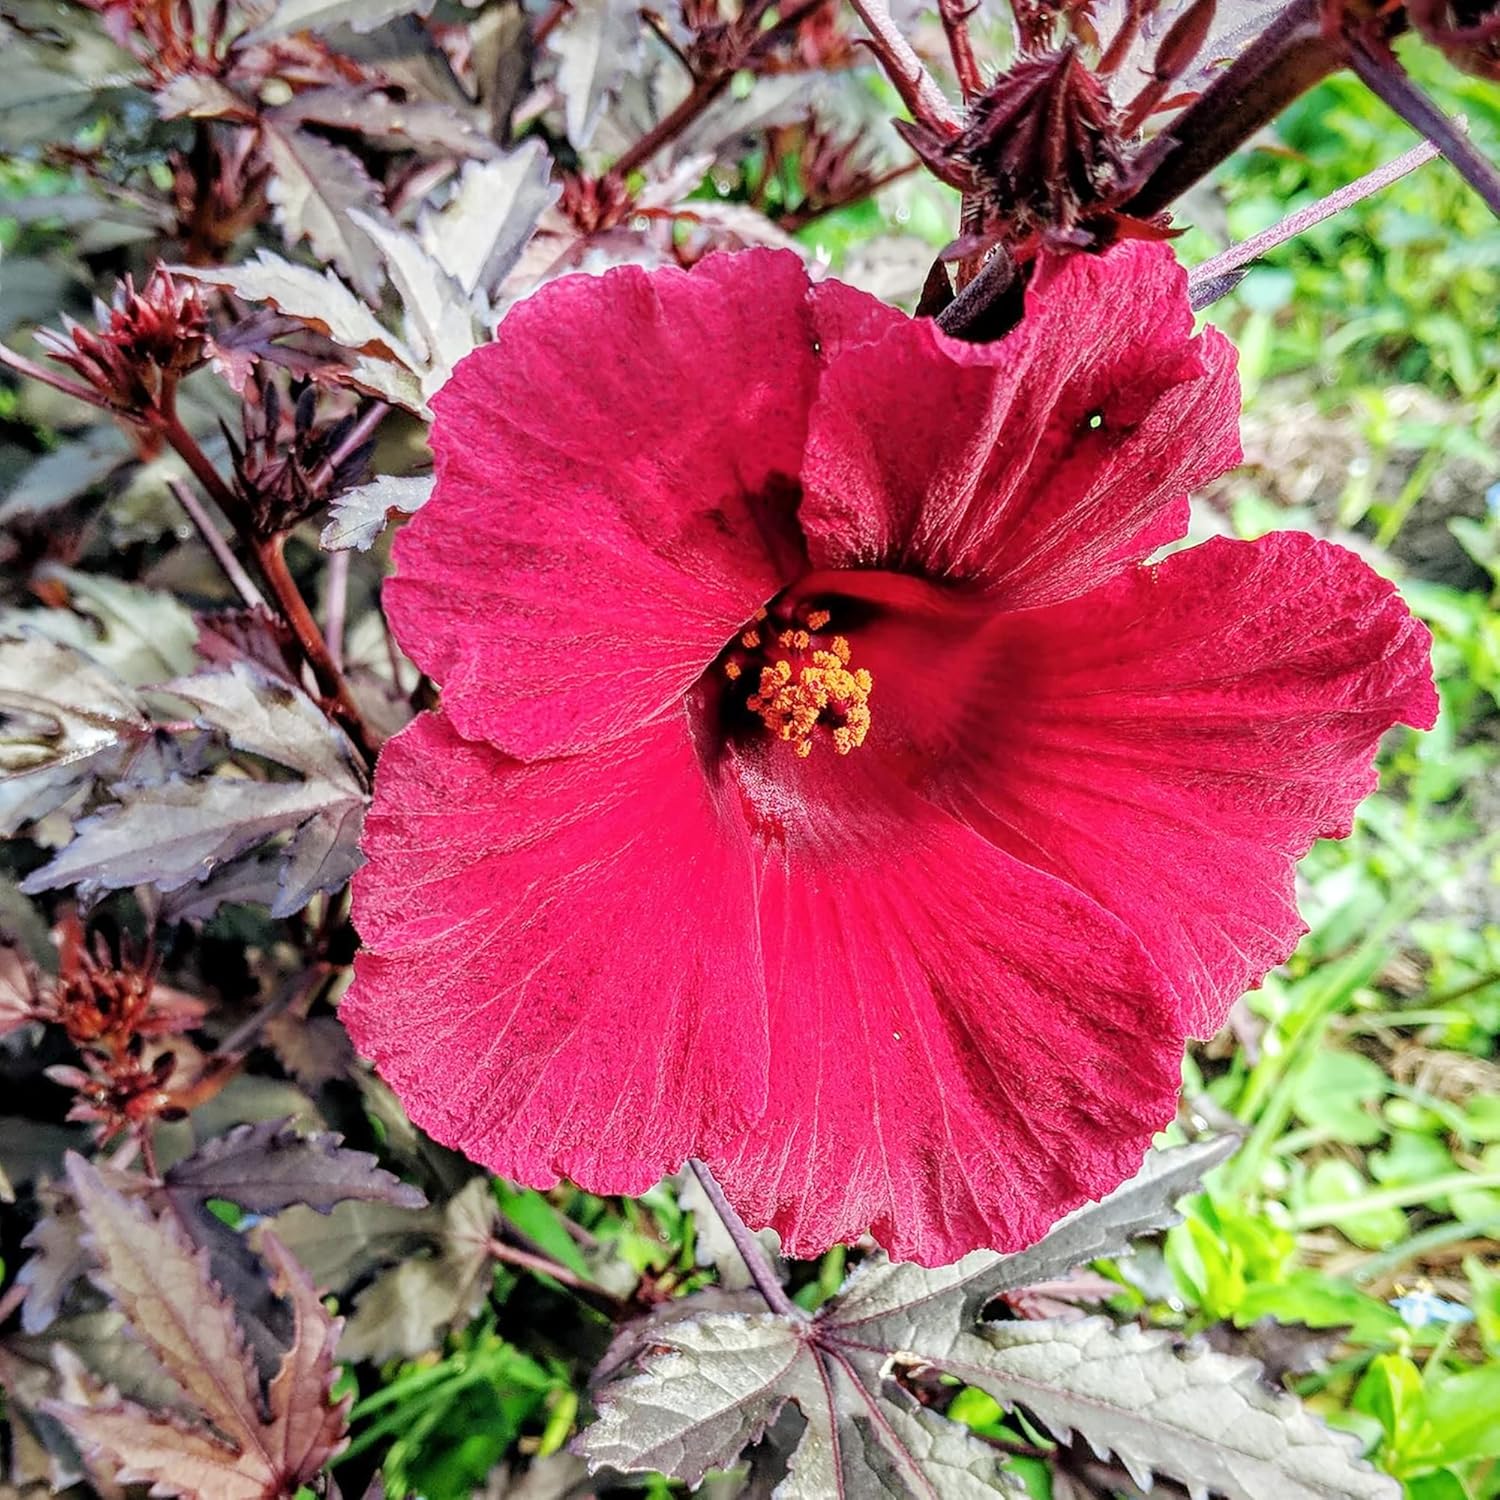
x=751 y=1252
x=1384 y=76
x=955 y=18
x=1210 y=279
x=925 y=101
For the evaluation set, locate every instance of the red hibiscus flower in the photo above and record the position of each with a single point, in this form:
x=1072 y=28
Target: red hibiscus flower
x=824 y=784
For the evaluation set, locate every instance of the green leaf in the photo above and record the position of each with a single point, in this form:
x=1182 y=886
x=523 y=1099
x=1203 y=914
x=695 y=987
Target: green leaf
x=1337 y=1189
x=1332 y=1092
x=1321 y=1301
x=530 y=1212
x=1462 y=1412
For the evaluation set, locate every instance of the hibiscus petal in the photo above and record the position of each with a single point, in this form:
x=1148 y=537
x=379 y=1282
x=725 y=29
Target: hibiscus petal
x=1039 y=465
x=963 y=1049
x=1173 y=743
x=561 y=974
x=615 y=497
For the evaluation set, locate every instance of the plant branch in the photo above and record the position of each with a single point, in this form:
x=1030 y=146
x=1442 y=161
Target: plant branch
x=360 y=433
x=703 y=93
x=1285 y=60
x=33 y=371
x=545 y=25
x=924 y=100
x=748 y=45
x=596 y=1296
x=800 y=218
x=955 y=18
x=213 y=539
x=269 y=557
x=1384 y=76
x=1211 y=279
x=751 y=1251
x=270 y=554
x=336 y=606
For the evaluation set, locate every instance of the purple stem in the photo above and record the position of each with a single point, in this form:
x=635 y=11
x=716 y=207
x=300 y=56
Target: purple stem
x=750 y=1248
x=1210 y=279
x=1384 y=77
x=336 y=604
x=213 y=539
x=1285 y=60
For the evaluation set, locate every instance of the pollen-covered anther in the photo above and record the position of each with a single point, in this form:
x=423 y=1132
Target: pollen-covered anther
x=796 y=695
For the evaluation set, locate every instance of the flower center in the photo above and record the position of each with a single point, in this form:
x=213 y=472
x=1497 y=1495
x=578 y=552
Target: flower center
x=801 y=678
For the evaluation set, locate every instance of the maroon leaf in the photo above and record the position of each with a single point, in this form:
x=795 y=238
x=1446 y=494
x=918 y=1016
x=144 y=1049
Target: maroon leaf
x=161 y=1284
x=268 y=1166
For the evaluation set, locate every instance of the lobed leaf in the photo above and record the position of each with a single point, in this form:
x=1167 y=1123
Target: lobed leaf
x=64 y=721
x=322 y=15
x=1202 y=1418
x=439 y=321
x=268 y=1166
x=317 y=298
x=359 y=515
x=410 y=1307
x=161 y=1284
x=173 y=834
x=268 y=717
x=594 y=48
x=712 y=1383
x=314 y=187
x=478 y=235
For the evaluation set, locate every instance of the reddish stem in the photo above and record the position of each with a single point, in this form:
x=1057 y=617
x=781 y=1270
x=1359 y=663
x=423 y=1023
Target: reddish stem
x=33 y=371
x=955 y=18
x=272 y=564
x=801 y=218
x=703 y=93
x=749 y=45
x=361 y=432
x=269 y=553
x=1120 y=44
x=924 y=100
x=548 y=22
x=1285 y=60
x=540 y=1265
x=767 y=1283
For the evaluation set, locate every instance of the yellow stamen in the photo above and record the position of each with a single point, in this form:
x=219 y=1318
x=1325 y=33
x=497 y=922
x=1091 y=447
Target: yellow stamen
x=822 y=690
